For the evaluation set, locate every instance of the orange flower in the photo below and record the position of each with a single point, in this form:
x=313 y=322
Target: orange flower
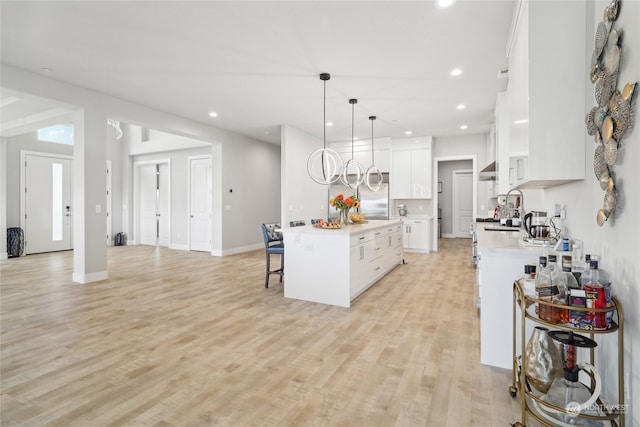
x=340 y=197
x=349 y=202
x=332 y=201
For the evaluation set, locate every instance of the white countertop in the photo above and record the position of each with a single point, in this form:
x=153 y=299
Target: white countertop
x=348 y=229
x=504 y=241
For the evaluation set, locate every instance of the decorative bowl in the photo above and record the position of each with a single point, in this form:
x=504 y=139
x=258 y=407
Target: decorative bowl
x=357 y=217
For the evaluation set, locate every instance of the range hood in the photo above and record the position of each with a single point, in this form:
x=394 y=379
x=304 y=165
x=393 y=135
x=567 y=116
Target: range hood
x=488 y=173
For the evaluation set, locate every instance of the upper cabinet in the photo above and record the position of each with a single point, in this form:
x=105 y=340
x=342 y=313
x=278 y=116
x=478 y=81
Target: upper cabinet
x=411 y=169
x=545 y=96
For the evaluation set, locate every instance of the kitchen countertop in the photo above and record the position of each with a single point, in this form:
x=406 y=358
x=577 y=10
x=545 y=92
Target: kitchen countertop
x=349 y=229
x=505 y=241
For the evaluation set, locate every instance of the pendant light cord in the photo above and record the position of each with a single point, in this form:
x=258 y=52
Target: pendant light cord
x=372 y=118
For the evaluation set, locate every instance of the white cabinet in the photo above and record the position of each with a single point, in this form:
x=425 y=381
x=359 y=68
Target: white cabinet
x=545 y=96
x=411 y=172
x=373 y=254
x=415 y=235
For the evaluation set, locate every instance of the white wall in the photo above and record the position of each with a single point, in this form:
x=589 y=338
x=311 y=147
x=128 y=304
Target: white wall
x=302 y=198
x=618 y=240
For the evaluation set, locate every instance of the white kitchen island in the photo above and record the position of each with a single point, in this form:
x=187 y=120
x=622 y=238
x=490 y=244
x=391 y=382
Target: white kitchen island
x=334 y=266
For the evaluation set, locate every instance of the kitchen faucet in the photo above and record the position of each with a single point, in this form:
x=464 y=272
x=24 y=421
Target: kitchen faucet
x=520 y=208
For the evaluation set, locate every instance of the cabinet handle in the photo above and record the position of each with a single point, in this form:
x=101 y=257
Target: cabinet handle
x=378 y=233
x=377 y=268
x=361 y=238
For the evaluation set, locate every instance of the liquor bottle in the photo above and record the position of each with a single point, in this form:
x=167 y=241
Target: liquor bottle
x=562 y=314
x=552 y=284
x=542 y=263
x=597 y=286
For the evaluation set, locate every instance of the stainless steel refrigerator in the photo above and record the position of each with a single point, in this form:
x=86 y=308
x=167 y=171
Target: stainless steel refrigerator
x=374 y=203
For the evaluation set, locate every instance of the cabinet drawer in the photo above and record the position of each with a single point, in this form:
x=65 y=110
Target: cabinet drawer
x=360 y=238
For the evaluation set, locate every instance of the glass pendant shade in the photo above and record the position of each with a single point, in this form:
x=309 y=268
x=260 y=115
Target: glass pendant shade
x=353 y=173
x=324 y=164
x=373 y=176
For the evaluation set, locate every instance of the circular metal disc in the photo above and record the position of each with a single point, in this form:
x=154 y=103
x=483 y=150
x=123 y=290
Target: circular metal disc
x=601 y=38
x=628 y=90
x=603 y=88
x=609 y=204
x=571 y=338
x=612 y=59
x=589 y=120
x=607 y=129
x=611 y=152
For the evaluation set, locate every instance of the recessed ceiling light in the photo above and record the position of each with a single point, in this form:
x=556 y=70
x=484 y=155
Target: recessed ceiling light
x=445 y=3
x=461 y=107
x=455 y=72
x=329 y=123
x=463 y=127
x=213 y=114
x=521 y=121
x=47 y=70
x=267 y=133
x=408 y=132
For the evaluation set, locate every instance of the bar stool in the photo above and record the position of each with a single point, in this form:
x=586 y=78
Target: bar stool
x=273 y=245
x=298 y=223
x=315 y=221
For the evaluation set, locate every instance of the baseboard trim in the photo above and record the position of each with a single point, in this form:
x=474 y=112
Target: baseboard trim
x=179 y=247
x=238 y=250
x=90 y=278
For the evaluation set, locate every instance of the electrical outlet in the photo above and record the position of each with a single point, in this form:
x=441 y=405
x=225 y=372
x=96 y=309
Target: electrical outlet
x=563 y=212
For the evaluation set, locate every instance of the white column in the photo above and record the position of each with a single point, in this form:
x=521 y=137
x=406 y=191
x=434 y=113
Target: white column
x=89 y=196
x=3 y=198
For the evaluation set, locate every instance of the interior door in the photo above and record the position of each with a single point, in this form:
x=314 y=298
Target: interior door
x=462 y=202
x=200 y=205
x=48 y=224
x=163 y=205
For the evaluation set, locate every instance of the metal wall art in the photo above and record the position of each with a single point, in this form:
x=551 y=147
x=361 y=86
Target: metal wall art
x=610 y=120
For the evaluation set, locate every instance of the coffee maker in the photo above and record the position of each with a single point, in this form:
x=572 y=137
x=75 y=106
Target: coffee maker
x=536 y=224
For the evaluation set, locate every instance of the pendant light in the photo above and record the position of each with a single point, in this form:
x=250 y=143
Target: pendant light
x=324 y=164
x=373 y=176
x=352 y=167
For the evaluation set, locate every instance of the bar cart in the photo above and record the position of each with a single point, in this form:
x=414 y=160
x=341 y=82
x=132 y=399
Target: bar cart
x=532 y=403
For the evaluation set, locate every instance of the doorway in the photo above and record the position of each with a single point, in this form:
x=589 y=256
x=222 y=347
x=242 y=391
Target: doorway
x=443 y=173
x=46 y=196
x=152 y=201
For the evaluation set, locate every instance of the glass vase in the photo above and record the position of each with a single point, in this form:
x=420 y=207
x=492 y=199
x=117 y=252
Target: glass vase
x=344 y=217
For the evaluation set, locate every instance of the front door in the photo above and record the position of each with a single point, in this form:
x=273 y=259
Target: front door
x=47 y=208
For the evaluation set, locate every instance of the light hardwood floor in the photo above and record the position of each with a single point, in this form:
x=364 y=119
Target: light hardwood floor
x=176 y=338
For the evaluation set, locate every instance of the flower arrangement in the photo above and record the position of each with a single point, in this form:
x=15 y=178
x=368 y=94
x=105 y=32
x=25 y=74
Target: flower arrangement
x=344 y=204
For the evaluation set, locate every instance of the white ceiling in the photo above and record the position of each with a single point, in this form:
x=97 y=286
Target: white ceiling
x=257 y=63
